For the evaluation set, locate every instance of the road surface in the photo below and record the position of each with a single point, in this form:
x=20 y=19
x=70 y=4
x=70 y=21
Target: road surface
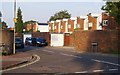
x=67 y=60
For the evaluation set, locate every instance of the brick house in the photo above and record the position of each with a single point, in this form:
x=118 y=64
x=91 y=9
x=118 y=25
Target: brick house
x=31 y=26
x=94 y=21
x=51 y=26
x=63 y=26
x=34 y=27
x=56 y=27
x=90 y=22
x=108 y=22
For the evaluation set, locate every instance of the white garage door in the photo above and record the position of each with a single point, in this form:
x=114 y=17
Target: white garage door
x=57 y=39
x=26 y=35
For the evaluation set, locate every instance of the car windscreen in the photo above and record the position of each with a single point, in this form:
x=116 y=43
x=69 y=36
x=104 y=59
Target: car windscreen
x=18 y=39
x=40 y=39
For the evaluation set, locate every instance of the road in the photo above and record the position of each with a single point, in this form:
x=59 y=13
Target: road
x=67 y=60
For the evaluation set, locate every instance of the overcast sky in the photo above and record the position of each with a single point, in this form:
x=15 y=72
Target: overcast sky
x=41 y=11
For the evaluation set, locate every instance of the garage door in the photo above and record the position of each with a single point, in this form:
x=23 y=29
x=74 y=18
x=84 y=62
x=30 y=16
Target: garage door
x=57 y=39
x=26 y=35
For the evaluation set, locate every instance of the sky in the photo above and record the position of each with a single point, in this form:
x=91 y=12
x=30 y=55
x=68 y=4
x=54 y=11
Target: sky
x=42 y=10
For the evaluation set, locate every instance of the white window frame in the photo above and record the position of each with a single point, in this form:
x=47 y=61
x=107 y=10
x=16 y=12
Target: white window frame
x=61 y=27
x=69 y=25
x=105 y=22
x=90 y=24
x=55 y=27
x=78 y=25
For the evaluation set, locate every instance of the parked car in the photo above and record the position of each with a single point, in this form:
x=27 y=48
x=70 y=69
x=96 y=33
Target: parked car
x=39 y=42
x=19 y=42
x=28 y=41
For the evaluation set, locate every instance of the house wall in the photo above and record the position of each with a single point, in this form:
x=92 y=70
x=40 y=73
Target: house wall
x=112 y=25
x=81 y=22
x=71 y=23
x=92 y=20
x=107 y=40
x=62 y=26
x=29 y=27
x=56 y=27
x=42 y=28
x=50 y=26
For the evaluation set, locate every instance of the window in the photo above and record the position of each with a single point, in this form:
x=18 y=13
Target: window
x=69 y=26
x=78 y=25
x=55 y=27
x=61 y=27
x=105 y=22
x=90 y=24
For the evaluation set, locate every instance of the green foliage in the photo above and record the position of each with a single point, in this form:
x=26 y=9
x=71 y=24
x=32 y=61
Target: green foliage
x=60 y=15
x=38 y=31
x=19 y=24
x=29 y=22
x=4 y=25
x=113 y=8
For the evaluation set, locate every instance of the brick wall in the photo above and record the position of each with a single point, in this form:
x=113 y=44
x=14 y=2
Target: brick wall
x=106 y=40
x=7 y=37
x=45 y=35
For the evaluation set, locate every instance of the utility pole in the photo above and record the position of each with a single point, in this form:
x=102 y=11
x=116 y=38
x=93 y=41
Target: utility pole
x=14 y=51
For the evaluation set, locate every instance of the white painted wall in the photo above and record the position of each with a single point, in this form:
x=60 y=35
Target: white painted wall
x=25 y=36
x=57 y=40
x=43 y=28
x=99 y=20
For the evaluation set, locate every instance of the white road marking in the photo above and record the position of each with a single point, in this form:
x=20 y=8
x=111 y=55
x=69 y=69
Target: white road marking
x=38 y=58
x=106 y=62
x=113 y=69
x=70 y=55
x=82 y=72
x=98 y=70
x=48 y=51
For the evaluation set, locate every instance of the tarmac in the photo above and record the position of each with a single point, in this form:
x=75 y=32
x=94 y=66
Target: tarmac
x=14 y=59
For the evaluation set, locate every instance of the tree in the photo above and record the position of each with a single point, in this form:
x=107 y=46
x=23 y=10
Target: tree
x=113 y=8
x=4 y=25
x=19 y=24
x=60 y=15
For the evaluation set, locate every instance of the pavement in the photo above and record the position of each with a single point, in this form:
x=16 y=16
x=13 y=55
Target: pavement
x=14 y=59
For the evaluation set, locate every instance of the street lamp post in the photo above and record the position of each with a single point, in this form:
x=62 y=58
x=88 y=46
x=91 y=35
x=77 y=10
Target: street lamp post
x=14 y=51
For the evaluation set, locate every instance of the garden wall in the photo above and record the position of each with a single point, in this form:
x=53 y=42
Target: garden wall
x=95 y=40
